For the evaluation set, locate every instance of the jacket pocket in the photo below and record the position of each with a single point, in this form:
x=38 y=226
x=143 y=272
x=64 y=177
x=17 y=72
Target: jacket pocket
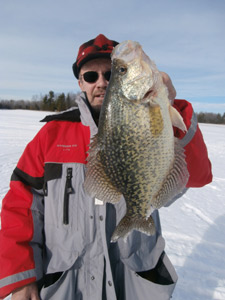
x=50 y=279
x=65 y=220
x=59 y=191
x=62 y=285
x=50 y=285
x=158 y=275
x=158 y=283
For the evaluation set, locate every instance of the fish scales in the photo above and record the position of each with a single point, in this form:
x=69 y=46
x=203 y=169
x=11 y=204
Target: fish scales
x=135 y=153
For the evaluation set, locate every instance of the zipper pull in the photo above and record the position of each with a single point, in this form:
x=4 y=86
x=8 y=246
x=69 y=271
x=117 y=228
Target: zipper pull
x=69 y=181
x=68 y=190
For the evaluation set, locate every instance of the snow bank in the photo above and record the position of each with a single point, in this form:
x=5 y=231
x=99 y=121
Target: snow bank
x=194 y=226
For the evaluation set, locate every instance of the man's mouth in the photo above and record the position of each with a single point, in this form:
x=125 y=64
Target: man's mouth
x=100 y=96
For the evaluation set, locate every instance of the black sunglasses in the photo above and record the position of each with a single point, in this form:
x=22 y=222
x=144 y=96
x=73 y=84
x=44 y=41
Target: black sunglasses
x=92 y=76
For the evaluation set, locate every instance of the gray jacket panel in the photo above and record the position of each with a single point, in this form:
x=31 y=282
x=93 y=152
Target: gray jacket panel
x=79 y=260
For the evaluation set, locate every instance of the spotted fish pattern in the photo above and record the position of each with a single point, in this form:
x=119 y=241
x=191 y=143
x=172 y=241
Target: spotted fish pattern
x=135 y=154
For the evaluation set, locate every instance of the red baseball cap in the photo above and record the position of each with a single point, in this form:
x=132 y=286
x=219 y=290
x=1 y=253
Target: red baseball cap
x=100 y=47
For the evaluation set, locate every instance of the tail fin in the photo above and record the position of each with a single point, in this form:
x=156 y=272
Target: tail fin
x=127 y=224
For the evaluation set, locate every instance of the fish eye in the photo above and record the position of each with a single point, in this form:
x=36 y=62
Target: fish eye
x=122 y=70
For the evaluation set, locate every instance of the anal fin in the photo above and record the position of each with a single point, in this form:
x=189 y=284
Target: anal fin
x=175 y=182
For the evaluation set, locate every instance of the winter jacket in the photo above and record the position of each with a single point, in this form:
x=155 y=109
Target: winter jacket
x=55 y=234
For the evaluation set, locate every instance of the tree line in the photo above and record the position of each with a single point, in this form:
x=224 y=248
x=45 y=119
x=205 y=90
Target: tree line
x=211 y=118
x=49 y=102
x=60 y=102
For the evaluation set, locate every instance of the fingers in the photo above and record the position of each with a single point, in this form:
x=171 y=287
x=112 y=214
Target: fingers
x=27 y=292
x=171 y=89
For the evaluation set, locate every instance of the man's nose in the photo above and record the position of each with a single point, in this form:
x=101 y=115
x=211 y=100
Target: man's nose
x=102 y=82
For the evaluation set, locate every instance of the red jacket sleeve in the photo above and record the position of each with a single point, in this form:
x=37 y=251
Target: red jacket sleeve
x=198 y=163
x=22 y=222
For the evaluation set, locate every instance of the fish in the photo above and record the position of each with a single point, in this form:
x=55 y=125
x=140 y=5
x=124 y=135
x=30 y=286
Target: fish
x=135 y=154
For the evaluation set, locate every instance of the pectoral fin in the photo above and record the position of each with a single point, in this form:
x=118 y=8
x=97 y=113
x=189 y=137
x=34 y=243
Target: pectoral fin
x=176 y=119
x=96 y=183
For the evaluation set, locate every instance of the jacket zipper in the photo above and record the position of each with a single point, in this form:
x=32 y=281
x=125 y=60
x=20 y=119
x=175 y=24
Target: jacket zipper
x=68 y=190
x=45 y=189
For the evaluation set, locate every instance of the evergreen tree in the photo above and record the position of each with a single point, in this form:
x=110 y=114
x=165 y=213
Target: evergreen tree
x=223 y=119
x=68 y=101
x=61 y=102
x=51 y=101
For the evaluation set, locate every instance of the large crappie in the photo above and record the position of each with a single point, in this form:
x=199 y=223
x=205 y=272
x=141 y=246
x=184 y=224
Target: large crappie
x=135 y=153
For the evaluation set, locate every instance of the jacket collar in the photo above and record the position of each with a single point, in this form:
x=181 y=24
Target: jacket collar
x=82 y=113
x=86 y=113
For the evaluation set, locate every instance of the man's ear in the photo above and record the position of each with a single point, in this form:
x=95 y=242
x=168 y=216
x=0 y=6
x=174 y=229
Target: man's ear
x=80 y=83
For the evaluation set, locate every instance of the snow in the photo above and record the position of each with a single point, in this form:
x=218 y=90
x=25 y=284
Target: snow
x=193 y=227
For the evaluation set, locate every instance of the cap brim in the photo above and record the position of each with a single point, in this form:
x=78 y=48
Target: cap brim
x=76 y=69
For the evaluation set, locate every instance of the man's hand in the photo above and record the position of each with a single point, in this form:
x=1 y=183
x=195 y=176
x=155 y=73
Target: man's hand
x=171 y=90
x=27 y=292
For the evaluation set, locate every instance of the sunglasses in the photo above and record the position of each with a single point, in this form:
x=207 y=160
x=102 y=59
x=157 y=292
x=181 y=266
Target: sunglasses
x=92 y=76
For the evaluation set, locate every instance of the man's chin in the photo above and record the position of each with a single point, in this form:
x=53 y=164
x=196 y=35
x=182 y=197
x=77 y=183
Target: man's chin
x=97 y=108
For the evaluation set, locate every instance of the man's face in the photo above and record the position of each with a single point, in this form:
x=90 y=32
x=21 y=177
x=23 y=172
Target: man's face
x=95 y=91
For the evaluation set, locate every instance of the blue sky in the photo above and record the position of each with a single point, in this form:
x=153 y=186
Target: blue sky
x=186 y=38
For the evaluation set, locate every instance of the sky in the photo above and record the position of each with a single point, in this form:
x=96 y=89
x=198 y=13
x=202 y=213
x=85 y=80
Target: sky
x=39 y=41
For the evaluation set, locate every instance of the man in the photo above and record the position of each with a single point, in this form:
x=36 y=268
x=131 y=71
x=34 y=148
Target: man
x=55 y=237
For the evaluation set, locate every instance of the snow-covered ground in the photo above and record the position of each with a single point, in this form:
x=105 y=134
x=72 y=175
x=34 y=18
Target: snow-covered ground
x=194 y=226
